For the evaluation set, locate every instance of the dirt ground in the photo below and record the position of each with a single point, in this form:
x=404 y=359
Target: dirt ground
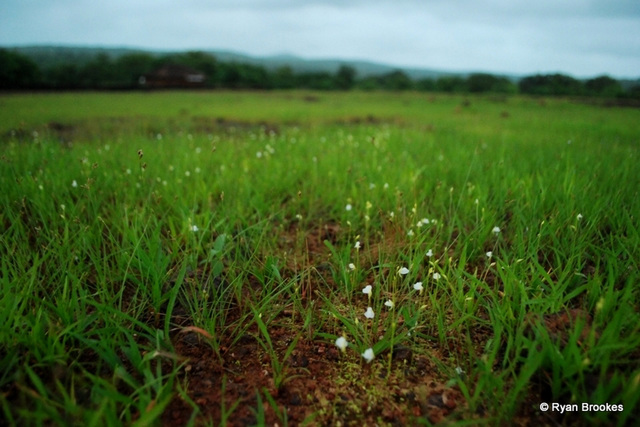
x=326 y=387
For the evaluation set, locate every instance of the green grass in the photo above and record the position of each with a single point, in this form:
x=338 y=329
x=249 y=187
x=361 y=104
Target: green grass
x=126 y=217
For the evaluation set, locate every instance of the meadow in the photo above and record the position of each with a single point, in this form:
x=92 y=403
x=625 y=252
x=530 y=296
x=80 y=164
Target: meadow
x=309 y=258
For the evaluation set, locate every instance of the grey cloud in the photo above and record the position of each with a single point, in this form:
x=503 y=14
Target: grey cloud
x=582 y=37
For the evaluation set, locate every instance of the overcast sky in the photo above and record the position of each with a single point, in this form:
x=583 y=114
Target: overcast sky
x=583 y=38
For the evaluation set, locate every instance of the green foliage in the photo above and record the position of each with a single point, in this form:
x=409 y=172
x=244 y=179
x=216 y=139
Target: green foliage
x=345 y=77
x=603 y=86
x=152 y=206
x=451 y=84
x=552 y=84
x=17 y=71
x=477 y=83
x=104 y=69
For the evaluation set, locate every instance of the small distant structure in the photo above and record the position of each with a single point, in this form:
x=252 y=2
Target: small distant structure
x=173 y=76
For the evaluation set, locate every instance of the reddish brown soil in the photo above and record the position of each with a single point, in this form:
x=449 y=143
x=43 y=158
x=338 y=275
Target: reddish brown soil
x=324 y=387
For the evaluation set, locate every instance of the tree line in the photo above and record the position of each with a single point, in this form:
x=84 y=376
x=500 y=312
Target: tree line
x=19 y=72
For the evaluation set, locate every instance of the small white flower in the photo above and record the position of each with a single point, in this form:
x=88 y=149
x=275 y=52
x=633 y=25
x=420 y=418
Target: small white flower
x=496 y=230
x=403 y=271
x=436 y=276
x=74 y=184
x=489 y=254
x=259 y=154
x=352 y=266
x=187 y=173
x=194 y=228
x=348 y=207
x=579 y=217
x=369 y=314
x=368 y=355
x=418 y=286
x=342 y=343
x=459 y=370
x=367 y=290
x=429 y=253
x=357 y=245
x=389 y=303
x=410 y=233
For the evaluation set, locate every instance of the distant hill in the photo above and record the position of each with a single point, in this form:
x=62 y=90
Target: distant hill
x=50 y=56
x=297 y=64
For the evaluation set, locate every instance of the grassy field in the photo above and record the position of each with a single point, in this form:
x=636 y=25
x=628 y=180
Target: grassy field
x=317 y=258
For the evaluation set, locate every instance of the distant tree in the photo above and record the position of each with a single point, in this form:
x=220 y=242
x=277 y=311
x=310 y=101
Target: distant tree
x=17 y=71
x=254 y=77
x=229 y=76
x=504 y=85
x=320 y=80
x=566 y=85
x=64 y=76
x=345 y=77
x=481 y=82
x=551 y=84
x=368 y=83
x=235 y=75
x=98 y=73
x=426 y=85
x=396 y=80
x=129 y=68
x=603 y=86
x=283 y=78
x=451 y=84
x=534 y=85
x=633 y=92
